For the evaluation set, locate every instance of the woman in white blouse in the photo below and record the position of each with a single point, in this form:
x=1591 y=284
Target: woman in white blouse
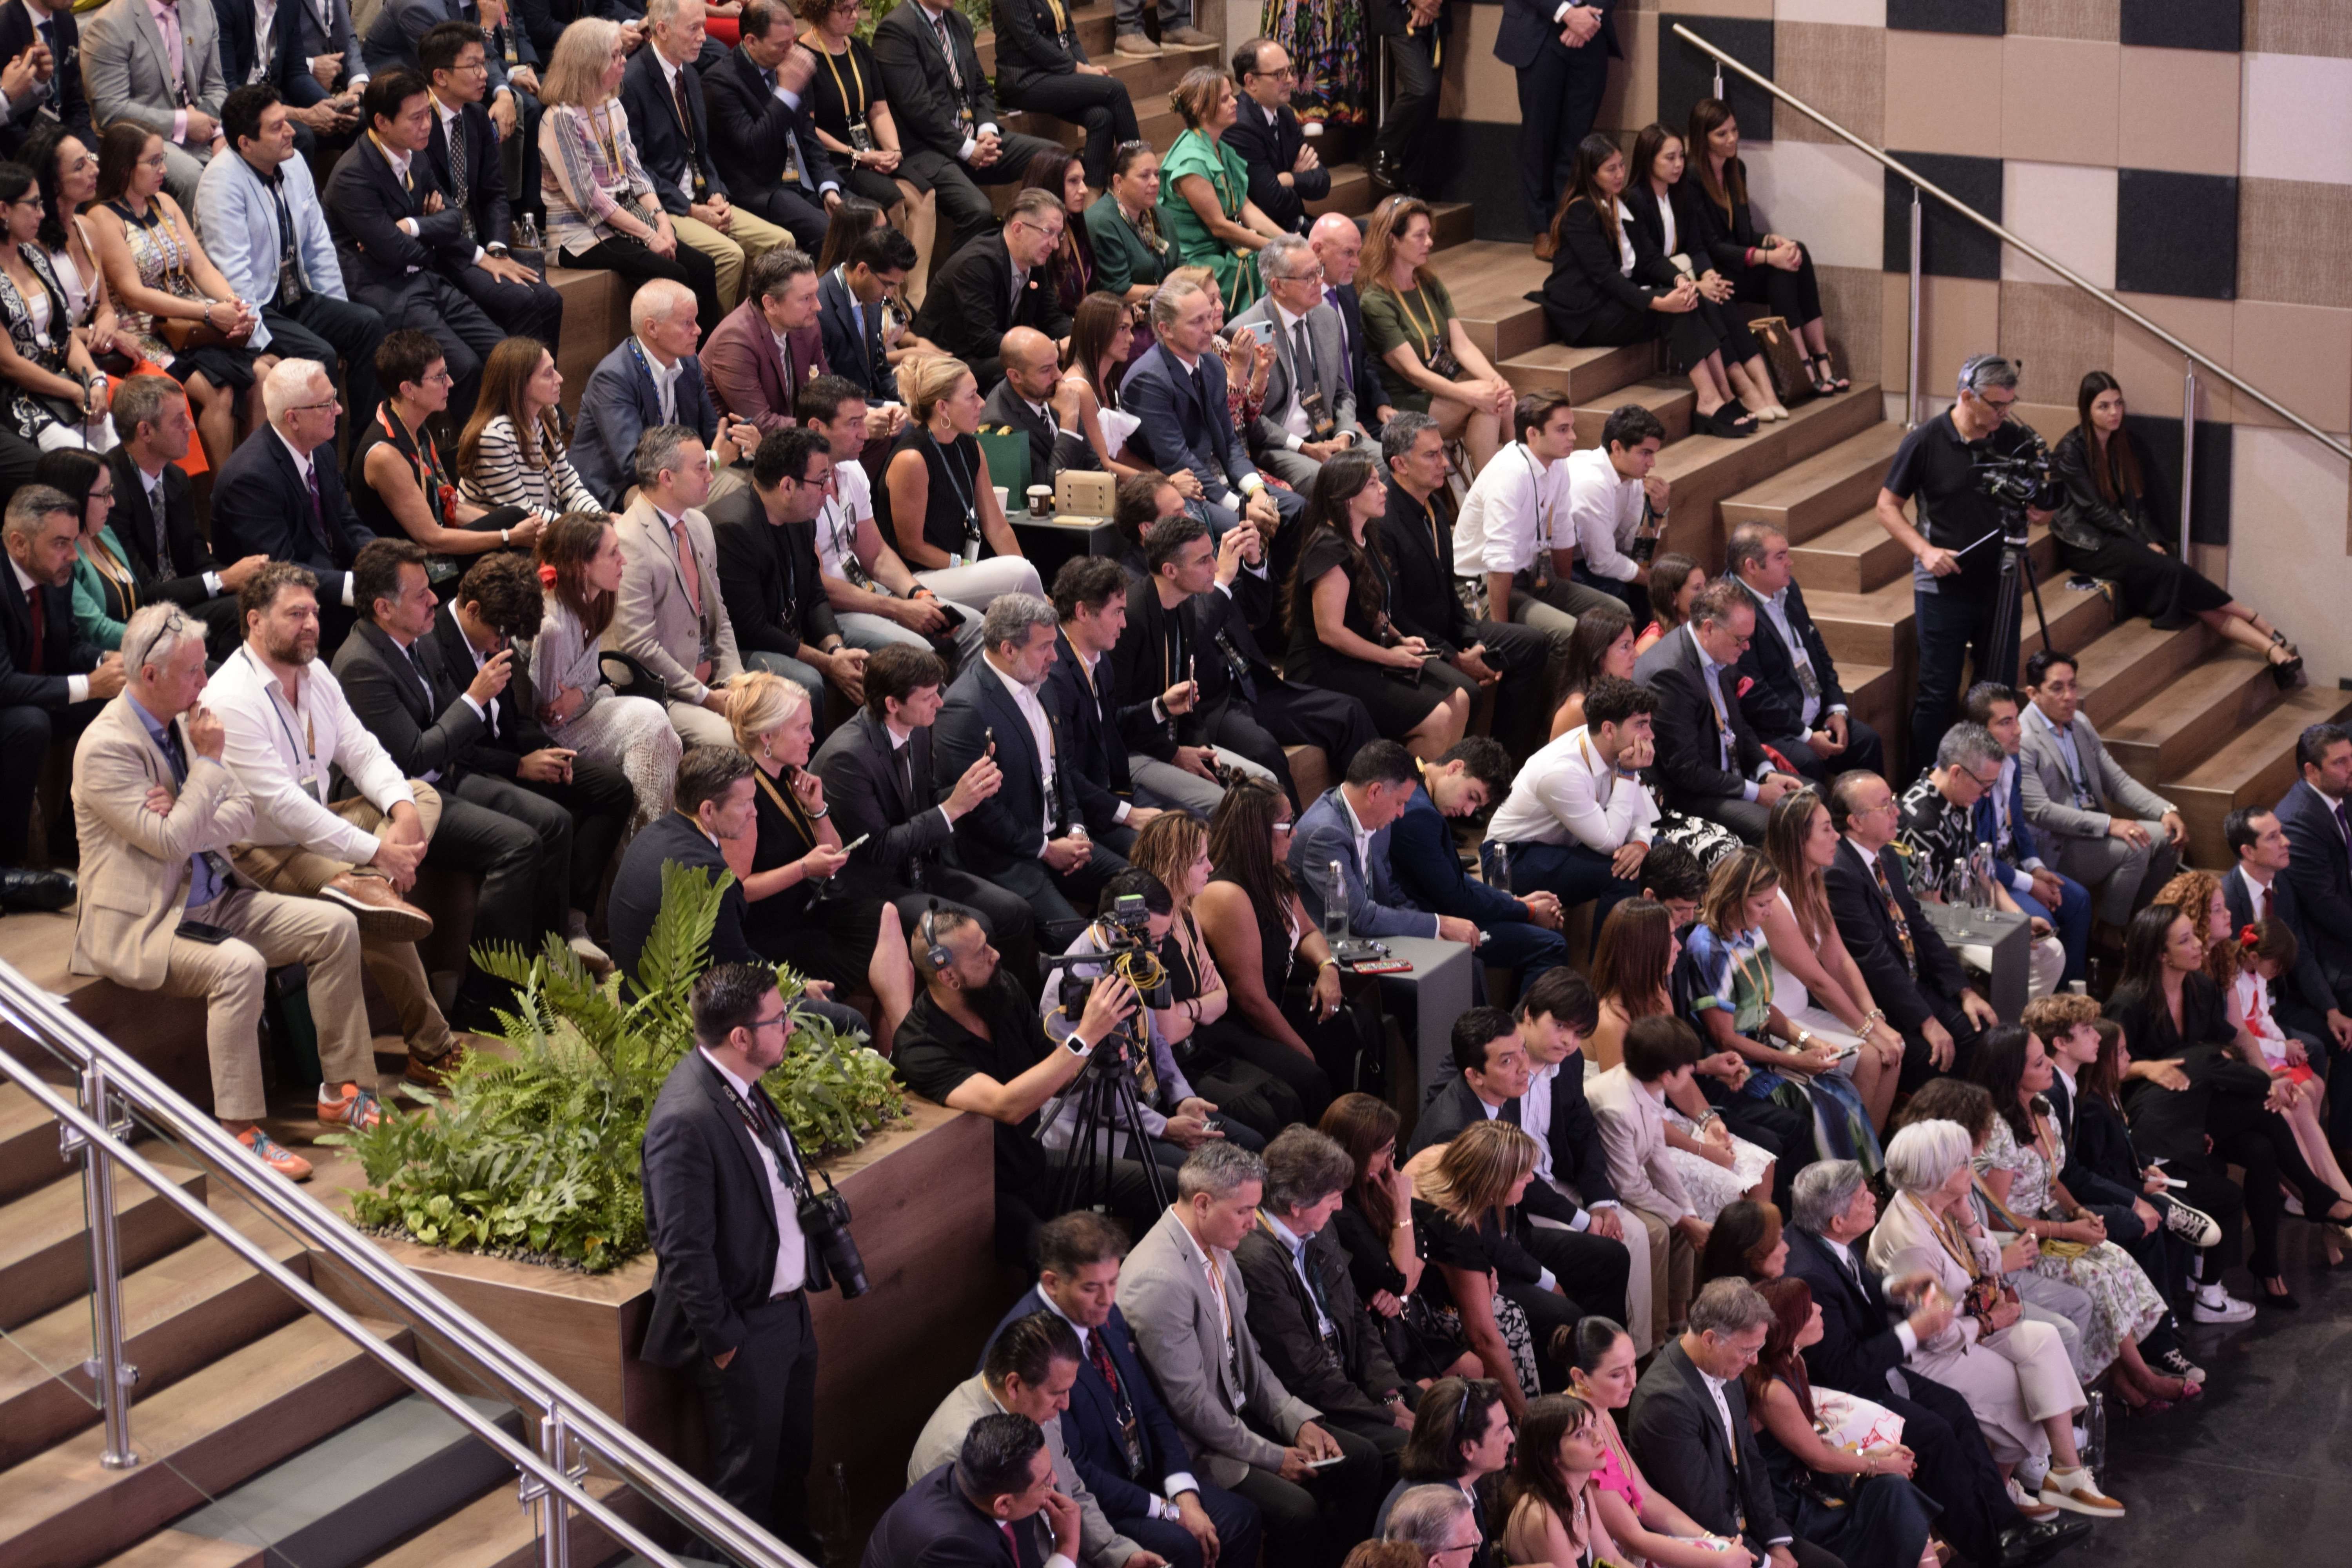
x=511 y=453
x=580 y=573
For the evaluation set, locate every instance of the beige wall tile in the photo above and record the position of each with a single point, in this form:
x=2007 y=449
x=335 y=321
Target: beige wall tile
x=1839 y=70
x=1942 y=93
x=2298 y=119
x=2292 y=236
x=2298 y=27
x=2058 y=99
x=2177 y=108
x=1851 y=309
x=1632 y=101
x=2060 y=332
x=1475 y=85
x=2067 y=210
x=2150 y=370
x=1758 y=10
x=2287 y=555
x=1960 y=316
x=1832 y=198
x=2100 y=19
x=1848 y=13
x=2300 y=355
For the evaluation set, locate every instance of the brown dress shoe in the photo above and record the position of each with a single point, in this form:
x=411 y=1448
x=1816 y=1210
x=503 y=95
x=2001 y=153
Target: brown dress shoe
x=1186 y=38
x=432 y=1072
x=381 y=914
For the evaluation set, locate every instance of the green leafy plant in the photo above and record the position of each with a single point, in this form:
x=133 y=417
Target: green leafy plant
x=535 y=1154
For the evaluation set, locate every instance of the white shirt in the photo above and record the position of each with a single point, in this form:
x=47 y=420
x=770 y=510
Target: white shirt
x=1710 y=676
x=899 y=742
x=1774 y=611
x=2255 y=890
x=1517 y=506
x=1568 y=794
x=1296 y=1245
x=1363 y=837
x=665 y=380
x=1179 y=1482
x=1624 y=239
x=1604 y=507
x=792 y=1247
x=1025 y=697
x=281 y=752
x=1088 y=663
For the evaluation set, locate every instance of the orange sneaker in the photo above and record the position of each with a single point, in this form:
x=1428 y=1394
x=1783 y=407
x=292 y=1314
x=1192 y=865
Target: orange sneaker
x=356 y=1108
x=275 y=1155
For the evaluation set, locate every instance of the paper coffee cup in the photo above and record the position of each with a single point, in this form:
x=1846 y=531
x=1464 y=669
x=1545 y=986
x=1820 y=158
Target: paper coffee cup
x=1002 y=495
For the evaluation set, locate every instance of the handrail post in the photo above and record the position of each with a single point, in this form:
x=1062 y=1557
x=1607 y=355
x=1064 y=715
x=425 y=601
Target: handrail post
x=554 y=1520
x=1718 y=81
x=2187 y=447
x=1913 y=399
x=108 y=1371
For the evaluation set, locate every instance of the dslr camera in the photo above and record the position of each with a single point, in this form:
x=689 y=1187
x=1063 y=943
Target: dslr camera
x=825 y=1220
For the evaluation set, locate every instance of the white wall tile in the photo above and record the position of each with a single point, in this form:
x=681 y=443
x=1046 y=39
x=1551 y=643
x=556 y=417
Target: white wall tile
x=1853 y=12
x=2296 y=119
x=2286 y=541
x=1827 y=196
x=2066 y=210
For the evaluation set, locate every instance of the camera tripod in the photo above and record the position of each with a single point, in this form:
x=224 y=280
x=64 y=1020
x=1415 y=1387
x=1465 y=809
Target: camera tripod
x=2017 y=580
x=1107 y=1106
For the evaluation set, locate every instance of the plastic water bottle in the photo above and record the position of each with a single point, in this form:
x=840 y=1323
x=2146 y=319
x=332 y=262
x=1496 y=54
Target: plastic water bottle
x=1498 y=867
x=1334 y=907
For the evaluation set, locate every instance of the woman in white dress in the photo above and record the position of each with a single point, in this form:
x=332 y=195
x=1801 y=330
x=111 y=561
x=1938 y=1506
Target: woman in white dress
x=580 y=572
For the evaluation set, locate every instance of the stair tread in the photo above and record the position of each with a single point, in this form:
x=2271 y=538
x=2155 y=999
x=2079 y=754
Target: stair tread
x=2186 y=697
x=488 y=1533
x=19 y=1112
x=177 y=1549
x=2257 y=747
x=1688 y=456
x=43 y=1217
x=1872 y=449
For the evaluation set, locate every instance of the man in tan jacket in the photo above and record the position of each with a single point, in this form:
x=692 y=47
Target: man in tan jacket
x=162 y=908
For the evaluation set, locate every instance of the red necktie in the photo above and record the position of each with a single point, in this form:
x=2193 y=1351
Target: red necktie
x=2266 y=903
x=1100 y=1353
x=40 y=614
x=1012 y=1542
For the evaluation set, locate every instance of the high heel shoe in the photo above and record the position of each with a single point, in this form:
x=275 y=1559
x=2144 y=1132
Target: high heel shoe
x=1826 y=380
x=2287 y=672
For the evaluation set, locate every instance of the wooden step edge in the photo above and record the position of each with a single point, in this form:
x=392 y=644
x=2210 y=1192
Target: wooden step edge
x=495 y=1530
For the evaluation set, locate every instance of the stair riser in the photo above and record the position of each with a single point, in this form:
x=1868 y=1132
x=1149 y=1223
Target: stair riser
x=1848 y=571
x=2202 y=735
x=1673 y=413
x=407 y=1502
x=147 y=1227
x=2125 y=690
x=2074 y=619
x=1824 y=508
x=1730 y=467
x=30 y=1160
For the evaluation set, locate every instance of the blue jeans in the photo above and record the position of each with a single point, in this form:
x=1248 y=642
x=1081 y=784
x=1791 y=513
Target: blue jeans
x=1572 y=873
x=2071 y=920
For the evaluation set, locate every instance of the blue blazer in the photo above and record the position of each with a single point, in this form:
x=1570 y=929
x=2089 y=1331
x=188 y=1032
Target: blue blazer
x=240 y=225
x=2019 y=848
x=261 y=507
x=292 y=78
x=619 y=405
x=661 y=140
x=1322 y=835
x=1177 y=430
x=392 y=38
x=1527 y=30
x=65 y=101
x=1090 y=1426
x=854 y=353
x=1428 y=874
x=2322 y=879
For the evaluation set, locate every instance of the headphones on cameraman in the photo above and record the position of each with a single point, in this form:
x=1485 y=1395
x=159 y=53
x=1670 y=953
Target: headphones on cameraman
x=938 y=957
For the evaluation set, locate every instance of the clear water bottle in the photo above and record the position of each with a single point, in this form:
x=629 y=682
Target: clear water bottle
x=527 y=232
x=1334 y=907
x=1498 y=867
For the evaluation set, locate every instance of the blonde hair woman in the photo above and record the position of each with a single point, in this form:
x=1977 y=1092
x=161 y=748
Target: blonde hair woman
x=936 y=504
x=1462 y=1192
x=792 y=916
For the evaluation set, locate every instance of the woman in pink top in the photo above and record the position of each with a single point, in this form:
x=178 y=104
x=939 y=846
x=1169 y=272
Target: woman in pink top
x=1602 y=1374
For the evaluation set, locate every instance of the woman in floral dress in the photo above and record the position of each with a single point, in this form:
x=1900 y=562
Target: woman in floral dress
x=1331 y=46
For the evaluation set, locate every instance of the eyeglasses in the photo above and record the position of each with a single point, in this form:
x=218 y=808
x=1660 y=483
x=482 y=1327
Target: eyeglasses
x=1288 y=73
x=158 y=161
x=172 y=626
x=312 y=407
x=784 y=1017
x=104 y=495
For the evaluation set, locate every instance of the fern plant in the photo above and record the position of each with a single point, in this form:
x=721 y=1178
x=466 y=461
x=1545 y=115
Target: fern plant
x=537 y=1154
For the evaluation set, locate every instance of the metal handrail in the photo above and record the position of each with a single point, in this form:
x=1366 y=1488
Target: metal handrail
x=108 y=1070
x=1921 y=183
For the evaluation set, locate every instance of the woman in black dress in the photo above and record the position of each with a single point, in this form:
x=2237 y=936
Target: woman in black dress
x=1340 y=635
x=1764 y=269
x=398 y=483
x=935 y=503
x=1458 y=1205
x=2114 y=516
x=1386 y=1253
x=792 y=917
x=853 y=120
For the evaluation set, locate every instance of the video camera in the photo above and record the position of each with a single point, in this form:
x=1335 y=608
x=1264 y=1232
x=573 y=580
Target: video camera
x=2018 y=478
x=1127 y=952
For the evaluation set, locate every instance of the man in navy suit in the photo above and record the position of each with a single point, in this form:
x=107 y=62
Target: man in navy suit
x=2317 y=817
x=2306 y=1000
x=1081 y=692
x=1285 y=174
x=57 y=94
x=1520 y=934
x=281 y=500
x=275 y=57
x=463 y=152
x=1560 y=49
x=2039 y=889
x=1710 y=759
x=53 y=681
x=1796 y=702
x=623 y=398
x=849 y=309
x=762 y=139
x=1178 y=391
x=1123 y=1442
x=986 y=1506
x=1340 y=245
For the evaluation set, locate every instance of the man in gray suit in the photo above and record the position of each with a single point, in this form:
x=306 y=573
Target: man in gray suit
x=1310 y=407
x=1030 y=1370
x=2097 y=824
x=669 y=613
x=1189 y=1310
x=167 y=78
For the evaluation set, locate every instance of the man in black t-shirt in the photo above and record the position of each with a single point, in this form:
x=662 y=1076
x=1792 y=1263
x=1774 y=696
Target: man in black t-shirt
x=1956 y=545
x=973 y=1041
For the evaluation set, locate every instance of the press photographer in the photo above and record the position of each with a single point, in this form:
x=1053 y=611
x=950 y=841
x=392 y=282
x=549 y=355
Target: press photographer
x=738 y=1256
x=1950 y=465
x=1125 y=940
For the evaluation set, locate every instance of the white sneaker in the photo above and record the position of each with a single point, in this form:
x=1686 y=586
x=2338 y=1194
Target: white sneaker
x=2227 y=1308
x=2030 y=1506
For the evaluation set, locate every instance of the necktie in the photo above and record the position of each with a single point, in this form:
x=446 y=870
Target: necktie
x=424 y=676
x=1123 y=1407
x=1201 y=385
x=947 y=47
x=1012 y=1543
x=169 y=24
x=458 y=182
x=688 y=571
x=1894 y=913
x=903 y=764
x=206 y=876
x=319 y=513
x=38 y=663
x=1302 y=361
x=162 y=532
x=1347 y=346
x=2344 y=820
x=2266 y=903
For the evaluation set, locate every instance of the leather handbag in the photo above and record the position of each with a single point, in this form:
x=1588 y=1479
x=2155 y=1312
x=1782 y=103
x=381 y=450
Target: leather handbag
x=1783 y=358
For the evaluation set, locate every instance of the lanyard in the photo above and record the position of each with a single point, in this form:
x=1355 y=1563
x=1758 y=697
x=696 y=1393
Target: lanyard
x=1427 y=346
x=310 y=742
x=852 y=110
x=1544 y=537
x=787 y=804
x=963 y=483
x=788 y=1159
x=424 y=459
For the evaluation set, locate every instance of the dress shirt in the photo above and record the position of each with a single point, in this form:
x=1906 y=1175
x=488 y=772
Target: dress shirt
x=166 y=14
x=792 y=1247
x=1206 y=1261
x=1178 y=1482
x=1025 y=697
x=302 y=469
x=1517 y=506
x=408 y=657
x=282 y=752
x=1774 y=610
x=1363 y=837
x=2256 y=892
x=265 y=40
x=899 y=740
x=1535 y=1121
x=1296 y=1245
x=489 y=712
x=400 y=162
x=1710 y=675
x=453 y=127
x=1567 y=793
x=1604 y=507
x=77 y=686
x=152 y=484
x=2085 y=797
x=665 y=380
x=1228 y=498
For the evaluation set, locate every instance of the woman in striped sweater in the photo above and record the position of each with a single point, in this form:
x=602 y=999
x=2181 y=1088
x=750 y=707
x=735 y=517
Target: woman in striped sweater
x=511 y=453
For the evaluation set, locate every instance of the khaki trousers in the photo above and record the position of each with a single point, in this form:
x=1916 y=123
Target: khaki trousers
x=746 y=236
x=272 y=930
x=398 y=972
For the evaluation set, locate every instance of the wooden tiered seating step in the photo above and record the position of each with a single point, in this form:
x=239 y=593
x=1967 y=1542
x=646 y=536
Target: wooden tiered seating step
x=2252 y=767
x=44 y=1254
x=1858 y=556
x=1877 y=627
x=495 y=1530
x=1671 y=401
x=2196 y=711
x=2133 y=662
x=1810 y=497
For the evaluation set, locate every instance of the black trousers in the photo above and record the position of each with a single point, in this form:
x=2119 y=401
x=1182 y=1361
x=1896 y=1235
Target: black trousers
x=599 y=800
x=1293 y=1087
x=1310 y=716
x=1524 y=696
x=1020 y=1214
x=18 y=457
x=640 y=267
x=1688 y=335
x=1918 y=1066
x=1954 y=1467
x=25 y=736
x=335 y=332
x=532 y=309
x=1236 y=1522
x=1314 y=1523
x=1747 y=818
x=1863 y=752
x=789 y=207
x=1787 y=1135
x=1057 y=898
x=760 y=1416
x=520 y=846
x=1348 y=1047
x=1795 y=297
x=1590 y=1269
x=1233 y=725
x=1387 y=1439
x=1559 y=97
x=1955 y=629
x=1098 y=105
x=432 y=304
x=964 y=212
x=1403 y=138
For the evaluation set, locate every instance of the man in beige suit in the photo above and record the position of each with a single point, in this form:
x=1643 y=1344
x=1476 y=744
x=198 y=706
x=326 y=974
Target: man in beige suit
x=670 y=616
x=1184 y=1301
x=157 y=812
x=1627 y=1102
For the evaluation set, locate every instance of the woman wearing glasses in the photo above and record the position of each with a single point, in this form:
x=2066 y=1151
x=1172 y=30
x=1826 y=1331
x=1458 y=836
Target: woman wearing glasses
x=105 y=585
x=397 y=482
x=54 y=395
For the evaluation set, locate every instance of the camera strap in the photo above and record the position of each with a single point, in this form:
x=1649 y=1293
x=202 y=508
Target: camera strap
x=766 y=1126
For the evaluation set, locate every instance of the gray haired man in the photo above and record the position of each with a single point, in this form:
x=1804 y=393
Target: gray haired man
x=1939 y=828
x=1309 y=412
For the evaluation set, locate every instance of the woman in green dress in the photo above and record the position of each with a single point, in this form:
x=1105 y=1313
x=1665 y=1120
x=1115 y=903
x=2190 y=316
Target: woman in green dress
x=1428 y=363
x=1131 y=260
x=1204 y=206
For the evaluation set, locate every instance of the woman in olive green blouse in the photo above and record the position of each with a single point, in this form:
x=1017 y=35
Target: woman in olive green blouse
x=1130 y=258
x=1204 y=206
x=1428 y=363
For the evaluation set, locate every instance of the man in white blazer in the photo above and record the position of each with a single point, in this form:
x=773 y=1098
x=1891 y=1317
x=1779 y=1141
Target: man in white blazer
x=157 y=811
x=167 y=76
x=1626 y=1100
x=670 y=616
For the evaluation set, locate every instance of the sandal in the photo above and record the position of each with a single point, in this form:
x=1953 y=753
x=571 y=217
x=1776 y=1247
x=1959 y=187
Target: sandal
x=1826 y=380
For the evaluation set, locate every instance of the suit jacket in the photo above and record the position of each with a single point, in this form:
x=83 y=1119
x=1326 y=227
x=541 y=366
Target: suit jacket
x=1352 y=1377
x=365 y=203
x=1269 y=145
x=1008 y=826
x=1226 y=1404
x=135 y=864
x=970 y=306
x=1180 y=430
x=514 y=731
x=749 y=377
x=289 y=68
x=767 y=575
x=1454 y=1110
x=1690 y=239
x=636 y=899
x=65 y=102
x=239 y=221
x=1007 y=410
x=1427 y=869
x=1376 y=906
x=753 y=131
x=1527 y=30
x=2305 y=986
x=941 y=1439
x=1330 y=378
x=326 y=29
x=2017 y=850
x=2049 y=791
x=1586 y=279
x=619 y=404
x=1868 y=932
x=1425 y=605
x=1686 y=724
x=1858 y=1345
x=424 y=732
x=661 y=137
x=128 y=71
x=1143 y=669
x=654 y=620
x=2317 y=871
x=261 y=507
x=1085 y=719
x=485 y=180
x=400 y=26
x=934 y=1525
x=179 y=573
x=1767 y=663
x=1677 y=1437
x=1632 y=1133
x=852 y=351
x=862 y=787
x=1363 y=366
x=1030 y=44
x=710 y=1213
x=916 y=84
x=1090 y=1426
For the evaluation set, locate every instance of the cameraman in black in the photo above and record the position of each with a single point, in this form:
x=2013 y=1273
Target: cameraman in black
x=737 y=1254
x=1948 y=466
x=1125 y=939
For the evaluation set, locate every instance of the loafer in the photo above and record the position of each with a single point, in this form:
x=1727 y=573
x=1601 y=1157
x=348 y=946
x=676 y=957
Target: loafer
x=29 y=891
x=1186 y=38
x=2024 y=1545
x=275 y=1155
x=432 y=1072
x=381 y=914
x=1135 y=47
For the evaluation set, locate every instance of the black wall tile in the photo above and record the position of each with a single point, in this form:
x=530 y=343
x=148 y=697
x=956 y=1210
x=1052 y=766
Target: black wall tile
x=1950 y=245
x=2177 y=234
x=2184 y=24
x=2208 y=505
x=1987 y=18
x=1481 y=162
x=1685 y=74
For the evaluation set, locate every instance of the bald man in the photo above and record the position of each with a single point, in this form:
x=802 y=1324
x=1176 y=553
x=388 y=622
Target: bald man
x=1024 y=402
x=1339 y=244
